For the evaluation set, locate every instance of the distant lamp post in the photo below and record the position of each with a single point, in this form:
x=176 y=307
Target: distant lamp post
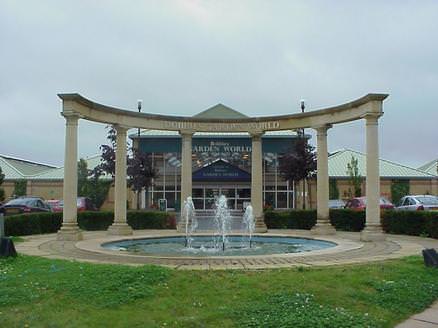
x=303 y=107
x=139 y=103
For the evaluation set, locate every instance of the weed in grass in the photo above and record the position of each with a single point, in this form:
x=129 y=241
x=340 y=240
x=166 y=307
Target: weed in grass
x=299 y=311
x=100 y=285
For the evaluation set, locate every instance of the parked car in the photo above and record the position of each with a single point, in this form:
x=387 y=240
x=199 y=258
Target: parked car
x=83 y=204
x=25 y=205
x=336 y=203
x=360 y=204
x=418 y=203
x=55 y=205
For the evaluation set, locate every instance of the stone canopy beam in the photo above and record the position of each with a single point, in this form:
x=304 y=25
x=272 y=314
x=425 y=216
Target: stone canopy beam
x=92 y=111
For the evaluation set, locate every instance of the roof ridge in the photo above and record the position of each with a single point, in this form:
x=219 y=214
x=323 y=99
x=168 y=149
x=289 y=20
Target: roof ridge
x=389 y=161
x=11 y=166
x=26 y=160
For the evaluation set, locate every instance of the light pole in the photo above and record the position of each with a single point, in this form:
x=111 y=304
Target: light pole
x=139 y=103
x=303 y=107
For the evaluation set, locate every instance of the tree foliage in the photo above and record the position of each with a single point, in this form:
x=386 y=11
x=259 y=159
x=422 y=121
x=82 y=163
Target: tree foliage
x=399 y=188
x=354 y=176
x=91 y=185
x=20 y=187
x=333 y=189
x=140 y=170
x=299 y=163
x=2 y=192
x=139 y=164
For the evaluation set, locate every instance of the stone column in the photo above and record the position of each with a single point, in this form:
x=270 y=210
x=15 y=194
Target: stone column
x=257 y=181
x=120 y=225
x=323 y=225
x=186 y=170
x=373 y=229
x=69 y=229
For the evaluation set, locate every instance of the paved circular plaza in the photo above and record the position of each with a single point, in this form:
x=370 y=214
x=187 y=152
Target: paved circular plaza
x=349 y=250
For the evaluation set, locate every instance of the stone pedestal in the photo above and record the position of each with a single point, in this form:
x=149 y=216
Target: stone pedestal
x=260 y=225
x=372 y=232
x=323 y=228
x=120 y=229
x=69 y=232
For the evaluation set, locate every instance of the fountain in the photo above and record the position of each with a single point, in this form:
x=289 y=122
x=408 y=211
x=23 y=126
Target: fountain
x=222 y=221
x=189 y=217
x=221 y=242
x=248 y=223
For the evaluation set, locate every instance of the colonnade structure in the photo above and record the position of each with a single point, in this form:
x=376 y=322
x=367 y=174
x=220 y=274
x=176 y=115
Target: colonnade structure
x=367 y=108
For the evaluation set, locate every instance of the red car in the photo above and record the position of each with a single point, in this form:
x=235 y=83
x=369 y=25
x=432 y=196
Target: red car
x=83 y=204
x=360 y=204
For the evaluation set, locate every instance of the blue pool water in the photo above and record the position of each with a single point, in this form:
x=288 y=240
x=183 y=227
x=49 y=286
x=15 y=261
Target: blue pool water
x=206 y=246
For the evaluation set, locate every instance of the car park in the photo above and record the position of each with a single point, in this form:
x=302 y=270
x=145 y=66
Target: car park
x=336 y=203
x=360 y=204
x=25 y=205
x=55 y=205
x=418 y=203
x=83 y=204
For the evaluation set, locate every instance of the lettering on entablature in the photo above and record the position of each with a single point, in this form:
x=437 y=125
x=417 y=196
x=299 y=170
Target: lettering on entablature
x=222 y=127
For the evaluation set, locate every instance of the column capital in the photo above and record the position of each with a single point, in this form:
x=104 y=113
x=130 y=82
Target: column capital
x=71 y=117
x=256 y=134
x=121 y=128
x=322 y=128
x=372 y=118
x=187 y=132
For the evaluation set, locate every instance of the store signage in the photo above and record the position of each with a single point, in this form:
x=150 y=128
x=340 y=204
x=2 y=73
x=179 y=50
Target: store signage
x=222 y=127
x=221 y=147
x=221 y=171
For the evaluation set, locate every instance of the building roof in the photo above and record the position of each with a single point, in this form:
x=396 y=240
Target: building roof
x=338 y=166
x=15 y=168
x=430 y=167
x=220 y=111
x=58 y=173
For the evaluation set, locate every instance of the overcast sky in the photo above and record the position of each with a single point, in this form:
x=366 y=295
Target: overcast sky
x=181 y=57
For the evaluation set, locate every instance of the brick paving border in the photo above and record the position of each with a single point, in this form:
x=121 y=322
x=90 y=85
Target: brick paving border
x=350 y=250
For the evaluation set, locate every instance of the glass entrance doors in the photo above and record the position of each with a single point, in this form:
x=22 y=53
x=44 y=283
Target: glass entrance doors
x=238 y=196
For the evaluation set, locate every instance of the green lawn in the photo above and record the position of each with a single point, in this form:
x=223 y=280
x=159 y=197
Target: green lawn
x=54 y=293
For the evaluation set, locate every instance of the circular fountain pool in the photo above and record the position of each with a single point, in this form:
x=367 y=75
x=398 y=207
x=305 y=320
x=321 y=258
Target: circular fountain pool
x=212 y=246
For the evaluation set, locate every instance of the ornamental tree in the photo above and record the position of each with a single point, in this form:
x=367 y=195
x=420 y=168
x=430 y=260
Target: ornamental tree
x=354 y=176
x=299 y=163
x=139 y=165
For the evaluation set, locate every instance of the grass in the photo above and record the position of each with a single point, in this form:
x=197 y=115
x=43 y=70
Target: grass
x=41 y=292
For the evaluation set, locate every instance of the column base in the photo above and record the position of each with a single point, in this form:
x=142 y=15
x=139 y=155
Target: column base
x=260 y=225
x=119 y=229
x=323 y=228
x=372 y=233
x=69 y=232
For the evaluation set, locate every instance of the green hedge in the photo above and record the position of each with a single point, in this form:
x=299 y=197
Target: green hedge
x=347 y=220
x=341 y=219
x=39 y=223
x=414 y=223
x=296 y=219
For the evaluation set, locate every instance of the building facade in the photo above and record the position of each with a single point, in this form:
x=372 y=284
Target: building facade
x=221 y=165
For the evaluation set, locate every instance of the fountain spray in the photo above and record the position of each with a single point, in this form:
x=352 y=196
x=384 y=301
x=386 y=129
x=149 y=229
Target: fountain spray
x=249 y=223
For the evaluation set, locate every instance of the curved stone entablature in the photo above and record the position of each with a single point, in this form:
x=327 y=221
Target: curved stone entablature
x=371 y=104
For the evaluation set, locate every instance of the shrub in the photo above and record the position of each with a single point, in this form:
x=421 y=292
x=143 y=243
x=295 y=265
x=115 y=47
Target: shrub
x=347 y=220
x=295 y=219
x=39 y=223
x=413 y=223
